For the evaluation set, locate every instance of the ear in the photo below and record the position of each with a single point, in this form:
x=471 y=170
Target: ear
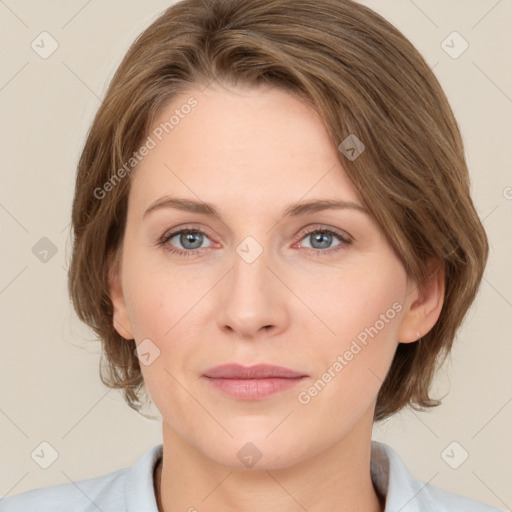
x=423 y=304
x=121 y=318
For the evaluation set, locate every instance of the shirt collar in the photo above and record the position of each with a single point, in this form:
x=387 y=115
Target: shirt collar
x=392 y=479
x=139 y=493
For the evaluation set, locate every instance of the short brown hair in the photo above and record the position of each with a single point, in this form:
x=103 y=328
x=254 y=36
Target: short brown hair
x=364 y=78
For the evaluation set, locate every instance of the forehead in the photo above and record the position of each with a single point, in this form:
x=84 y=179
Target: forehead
x=242 y=144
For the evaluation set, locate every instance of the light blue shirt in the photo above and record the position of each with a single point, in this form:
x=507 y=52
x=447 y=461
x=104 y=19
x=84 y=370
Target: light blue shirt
x=131 y=490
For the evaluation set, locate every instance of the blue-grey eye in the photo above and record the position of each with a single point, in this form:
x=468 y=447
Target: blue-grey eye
x=321 y=239
x=189 y=239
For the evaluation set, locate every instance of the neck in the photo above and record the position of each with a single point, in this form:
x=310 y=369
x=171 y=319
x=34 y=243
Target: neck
x=335 y=479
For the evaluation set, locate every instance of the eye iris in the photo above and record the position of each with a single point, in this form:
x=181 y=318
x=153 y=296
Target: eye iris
x=189 y=236
x=319 y=237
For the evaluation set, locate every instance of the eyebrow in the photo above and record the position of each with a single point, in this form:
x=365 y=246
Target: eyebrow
x=292 y=210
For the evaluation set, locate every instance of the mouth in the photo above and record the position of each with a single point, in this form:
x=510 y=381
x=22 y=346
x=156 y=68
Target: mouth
x=253 y=382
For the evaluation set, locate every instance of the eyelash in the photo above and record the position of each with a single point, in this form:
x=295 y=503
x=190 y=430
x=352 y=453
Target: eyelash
x=344 y=239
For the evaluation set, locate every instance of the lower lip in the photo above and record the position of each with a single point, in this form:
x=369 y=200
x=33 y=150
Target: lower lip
x=254 y=389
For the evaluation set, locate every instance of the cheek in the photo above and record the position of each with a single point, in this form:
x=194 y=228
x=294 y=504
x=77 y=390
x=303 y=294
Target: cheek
x=165 y=309
x=157 y=295
x=360 y=312
x=158 y=307
x=359 y=301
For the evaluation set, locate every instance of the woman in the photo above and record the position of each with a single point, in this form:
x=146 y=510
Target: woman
x=273 y=236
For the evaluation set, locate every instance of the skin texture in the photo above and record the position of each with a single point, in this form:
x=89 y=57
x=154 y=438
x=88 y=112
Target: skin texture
x=251 y=152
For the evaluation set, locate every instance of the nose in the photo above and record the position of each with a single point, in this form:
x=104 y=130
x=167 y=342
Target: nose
x=252 y=299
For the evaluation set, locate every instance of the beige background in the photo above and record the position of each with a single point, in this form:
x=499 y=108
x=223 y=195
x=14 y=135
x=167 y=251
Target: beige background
x=50 y=388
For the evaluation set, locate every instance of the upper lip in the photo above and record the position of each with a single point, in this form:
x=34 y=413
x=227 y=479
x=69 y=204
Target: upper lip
x=259 y=371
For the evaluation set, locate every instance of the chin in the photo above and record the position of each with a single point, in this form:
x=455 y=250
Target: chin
x=257 y=450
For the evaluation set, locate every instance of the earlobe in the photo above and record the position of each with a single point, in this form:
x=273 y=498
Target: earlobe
x=425 y=305
x=121 y=319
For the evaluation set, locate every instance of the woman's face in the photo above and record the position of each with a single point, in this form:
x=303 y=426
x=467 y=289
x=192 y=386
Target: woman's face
x=319 y=292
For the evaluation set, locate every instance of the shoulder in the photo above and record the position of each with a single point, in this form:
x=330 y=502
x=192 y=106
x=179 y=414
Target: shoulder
x=391 y=478
x=127 y=489
x=104 y=492
x=450 y=501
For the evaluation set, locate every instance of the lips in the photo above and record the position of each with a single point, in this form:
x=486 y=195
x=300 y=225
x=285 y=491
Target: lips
x=253 y=382
x=259 y=371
